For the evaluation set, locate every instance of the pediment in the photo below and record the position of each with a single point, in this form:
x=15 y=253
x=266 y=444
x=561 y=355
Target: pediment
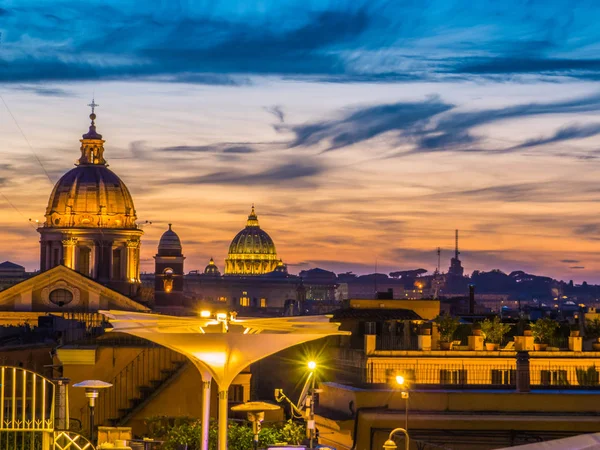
x=44 y=291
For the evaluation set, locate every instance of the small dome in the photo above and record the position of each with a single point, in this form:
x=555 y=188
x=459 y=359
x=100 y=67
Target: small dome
x=252 y=251
x=281 y=267
x=169 y=243
x=90 y=196
x=212 y=269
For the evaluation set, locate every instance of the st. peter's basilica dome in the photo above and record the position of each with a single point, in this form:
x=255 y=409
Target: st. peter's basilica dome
x=252 y=251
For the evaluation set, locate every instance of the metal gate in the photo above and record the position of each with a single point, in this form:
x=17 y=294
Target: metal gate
x=27 y=401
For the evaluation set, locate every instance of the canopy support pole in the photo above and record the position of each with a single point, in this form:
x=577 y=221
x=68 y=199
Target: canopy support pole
x=205 y=411
x=223 y=406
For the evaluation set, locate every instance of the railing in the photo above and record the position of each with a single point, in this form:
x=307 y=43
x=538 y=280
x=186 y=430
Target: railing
x=458 y=375
x=394 y=342
x=69 y=440
x=583 y=376
x=135 y=383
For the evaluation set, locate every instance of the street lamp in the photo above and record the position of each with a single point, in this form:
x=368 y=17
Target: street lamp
x=401 y=381
x=391 y=445
x=312 y=366
x=92 y=389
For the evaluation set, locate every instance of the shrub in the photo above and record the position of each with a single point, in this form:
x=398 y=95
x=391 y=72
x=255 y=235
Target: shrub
x=494 y=330
x=587 y=377
x=183 y=431
x=447 y=325
x=544 y=330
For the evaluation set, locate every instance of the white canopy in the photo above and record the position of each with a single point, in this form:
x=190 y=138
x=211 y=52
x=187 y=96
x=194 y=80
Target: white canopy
x=581 y=442
x=222 y=346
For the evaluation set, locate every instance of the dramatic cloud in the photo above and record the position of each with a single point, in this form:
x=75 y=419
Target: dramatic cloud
x=300 y=174
x=569 y=261
x=277 y=111
x=366 y=123
x=434 y=125
x=347 y=40
x=564 y=134
x=240 y=148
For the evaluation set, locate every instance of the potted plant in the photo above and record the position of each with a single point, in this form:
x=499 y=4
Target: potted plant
x=425 y=329
x=447 y=325
x=476 y=329
x=493 y=332
x=527 y=330
x=543 y=331
x=592 y=330
x=575 y=331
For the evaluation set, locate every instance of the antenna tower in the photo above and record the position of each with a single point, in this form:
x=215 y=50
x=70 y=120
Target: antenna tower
x=456 y=252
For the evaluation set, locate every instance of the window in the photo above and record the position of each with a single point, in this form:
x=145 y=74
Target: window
x=458 y=376
x=554 y=377
x=55 y=258
x=263 y=302
x=61 y=297
x=236 y=393
x=504 y=376
x=223 y=299
x=244 y=301
x=116 y=268
x=84 y=261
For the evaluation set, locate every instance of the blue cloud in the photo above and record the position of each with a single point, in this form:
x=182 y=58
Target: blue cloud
x=345 y=40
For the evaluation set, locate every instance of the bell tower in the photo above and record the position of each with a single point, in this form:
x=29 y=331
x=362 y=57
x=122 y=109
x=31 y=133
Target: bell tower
x=168 y=272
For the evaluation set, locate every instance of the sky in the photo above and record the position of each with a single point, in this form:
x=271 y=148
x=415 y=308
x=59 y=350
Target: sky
x=365 y=132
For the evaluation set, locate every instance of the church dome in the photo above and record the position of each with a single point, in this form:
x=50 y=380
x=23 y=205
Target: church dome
x=212 y=269
x=252 y=251
x=91 y=195
x=170 y=243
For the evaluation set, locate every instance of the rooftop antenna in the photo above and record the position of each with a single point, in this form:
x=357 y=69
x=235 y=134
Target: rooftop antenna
x=375 y=278
x=439 y=253
x=456 y=252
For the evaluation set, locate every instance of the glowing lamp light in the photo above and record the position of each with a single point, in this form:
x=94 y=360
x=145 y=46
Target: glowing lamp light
x=400 y=379
x=205 y=314
x=222 y=317
x=312 y=365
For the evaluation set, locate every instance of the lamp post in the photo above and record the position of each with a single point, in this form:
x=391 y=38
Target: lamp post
x=256 y=414
x=312 y=366
x=401 y=381
x=92 y=390
x=391 y=445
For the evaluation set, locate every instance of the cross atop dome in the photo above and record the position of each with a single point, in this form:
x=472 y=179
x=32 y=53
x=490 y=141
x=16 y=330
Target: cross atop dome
x=93 y=105
x=92 y=148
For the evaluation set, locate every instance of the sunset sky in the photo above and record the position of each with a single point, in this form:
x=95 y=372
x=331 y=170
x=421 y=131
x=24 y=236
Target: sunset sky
x=364 y=132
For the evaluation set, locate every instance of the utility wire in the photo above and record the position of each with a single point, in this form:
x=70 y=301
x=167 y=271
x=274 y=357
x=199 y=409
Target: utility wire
x=26 y=140
x=17 y=210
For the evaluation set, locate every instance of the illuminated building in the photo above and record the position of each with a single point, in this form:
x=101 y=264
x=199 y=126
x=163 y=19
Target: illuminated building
x=252 y=251
x=90 y=224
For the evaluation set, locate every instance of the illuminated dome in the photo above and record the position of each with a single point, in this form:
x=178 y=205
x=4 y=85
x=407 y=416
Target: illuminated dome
x=252 y=251
x=212 y=269
x=90 y=221
x=91 y=195
x=169 y=243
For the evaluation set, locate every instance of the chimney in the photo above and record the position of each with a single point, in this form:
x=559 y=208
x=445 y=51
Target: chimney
x=471 y=299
